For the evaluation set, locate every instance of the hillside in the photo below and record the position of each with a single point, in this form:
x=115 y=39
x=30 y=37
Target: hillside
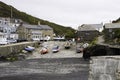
x=5 y=11
x=116 y=21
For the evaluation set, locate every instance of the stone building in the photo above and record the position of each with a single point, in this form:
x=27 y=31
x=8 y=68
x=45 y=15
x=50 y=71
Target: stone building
x=34 y=32
x=88 y=32
x=110 y=29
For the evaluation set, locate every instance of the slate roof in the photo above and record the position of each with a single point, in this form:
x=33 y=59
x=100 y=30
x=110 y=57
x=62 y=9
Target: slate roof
x=90 y=27
x=41 y=27
x=46 y=27
x=112 y=25
x=28 y=26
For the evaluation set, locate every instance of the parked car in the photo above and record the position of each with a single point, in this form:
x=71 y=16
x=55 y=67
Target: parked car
x=4 y=41
x=55 y=49
x=12 y=41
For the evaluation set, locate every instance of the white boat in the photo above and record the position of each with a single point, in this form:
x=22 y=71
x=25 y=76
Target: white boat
x=55 y=49
x=29 y=48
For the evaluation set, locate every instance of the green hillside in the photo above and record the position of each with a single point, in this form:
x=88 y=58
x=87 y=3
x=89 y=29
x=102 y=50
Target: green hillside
x=5 y=11
x=116 y=21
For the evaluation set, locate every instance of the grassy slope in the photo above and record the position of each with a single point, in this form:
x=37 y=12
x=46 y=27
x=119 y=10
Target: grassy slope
x=58 y=29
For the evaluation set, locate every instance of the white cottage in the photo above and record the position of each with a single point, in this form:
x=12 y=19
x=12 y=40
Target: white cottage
x=3 y=38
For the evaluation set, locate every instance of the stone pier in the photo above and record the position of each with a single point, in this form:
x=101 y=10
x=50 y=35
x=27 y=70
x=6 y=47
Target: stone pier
x=15 y=48
x=105 y=68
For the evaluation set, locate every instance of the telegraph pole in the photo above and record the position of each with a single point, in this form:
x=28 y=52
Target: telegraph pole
x=11 y=12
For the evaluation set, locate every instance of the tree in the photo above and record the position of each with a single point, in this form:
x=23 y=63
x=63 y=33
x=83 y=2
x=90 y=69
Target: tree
x=117 y=33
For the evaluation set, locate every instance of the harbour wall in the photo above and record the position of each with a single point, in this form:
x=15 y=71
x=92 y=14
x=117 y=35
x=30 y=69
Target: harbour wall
x=15 y=48
x=105 y=68
x=101 y=50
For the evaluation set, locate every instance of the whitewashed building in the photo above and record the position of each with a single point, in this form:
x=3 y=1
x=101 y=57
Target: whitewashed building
x=8 y=29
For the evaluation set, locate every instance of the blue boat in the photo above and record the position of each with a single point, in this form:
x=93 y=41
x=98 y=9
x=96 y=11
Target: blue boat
x=29 y=48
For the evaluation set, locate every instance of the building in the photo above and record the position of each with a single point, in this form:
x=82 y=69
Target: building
x=4 y=20
x=3 y=38
x=88 y=32
x=10 y=21
x=8 y=28
x=110 y=29
x=47 y=32
x=34 y=32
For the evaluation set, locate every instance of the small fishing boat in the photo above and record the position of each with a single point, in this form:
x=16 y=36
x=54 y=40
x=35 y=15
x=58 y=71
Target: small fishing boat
x=67 y=45
x=55 y=49
x=79 y=49
x=44 y=50
x=29 y=48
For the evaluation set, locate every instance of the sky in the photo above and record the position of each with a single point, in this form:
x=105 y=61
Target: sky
x=70 y=13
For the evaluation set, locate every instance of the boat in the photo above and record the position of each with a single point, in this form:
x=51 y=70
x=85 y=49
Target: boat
x=44 y=50
x=67 y=45
x=29 y=48
x=55 y=49
x=79 y=49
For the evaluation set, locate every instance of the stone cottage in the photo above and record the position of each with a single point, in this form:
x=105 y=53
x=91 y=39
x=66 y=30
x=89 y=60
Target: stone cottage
x=34 y=32
x=88 y=32
x=110 y=30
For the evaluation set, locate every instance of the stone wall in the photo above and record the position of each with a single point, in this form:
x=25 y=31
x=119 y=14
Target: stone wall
x=105 y=68
x=101 y=50
x=15 y=48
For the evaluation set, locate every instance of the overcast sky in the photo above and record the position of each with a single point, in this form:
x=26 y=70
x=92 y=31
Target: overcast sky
x=70 y=12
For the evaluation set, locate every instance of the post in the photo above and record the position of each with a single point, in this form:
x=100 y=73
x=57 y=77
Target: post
x=11 y=12
x=76 y=36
